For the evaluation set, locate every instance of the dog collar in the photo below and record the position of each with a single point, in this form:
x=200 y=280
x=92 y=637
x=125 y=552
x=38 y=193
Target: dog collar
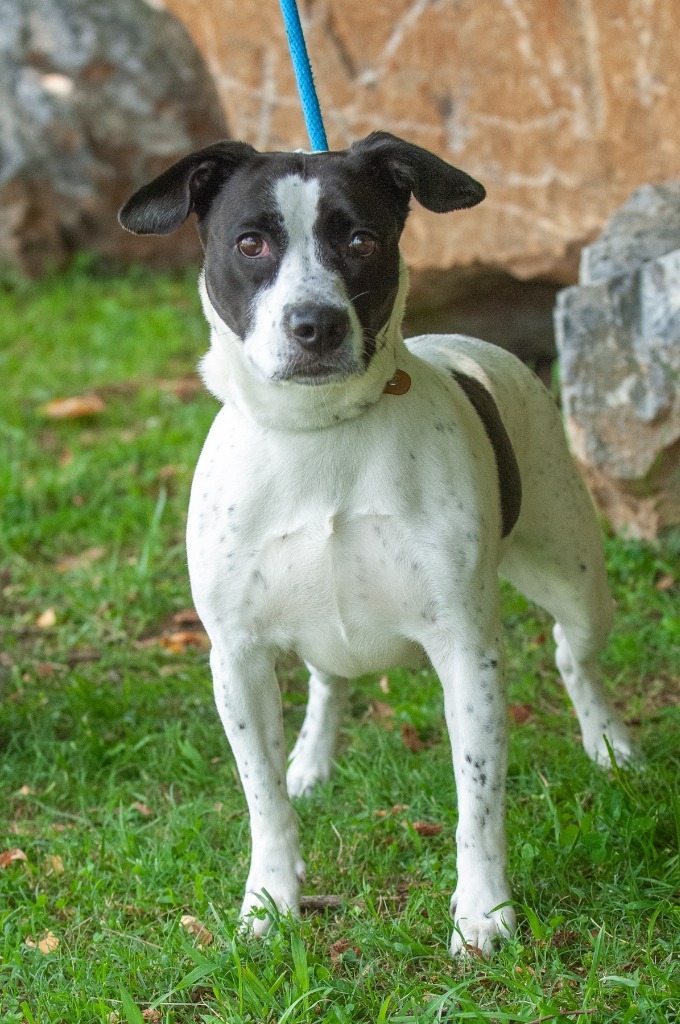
x=398 y=385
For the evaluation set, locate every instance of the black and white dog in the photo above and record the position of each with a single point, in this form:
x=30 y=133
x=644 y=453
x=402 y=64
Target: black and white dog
x=357 y=495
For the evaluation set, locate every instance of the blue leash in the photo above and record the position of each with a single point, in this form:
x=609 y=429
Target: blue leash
x=304 y=76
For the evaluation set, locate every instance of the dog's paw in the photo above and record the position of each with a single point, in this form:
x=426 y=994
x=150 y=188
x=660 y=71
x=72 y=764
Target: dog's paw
x=269 y=895
x=479 y=930
x=304 y=773
x=616 y=739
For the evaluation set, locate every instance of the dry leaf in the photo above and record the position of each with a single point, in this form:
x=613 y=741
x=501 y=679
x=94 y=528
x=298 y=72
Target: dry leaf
x=381 y=712
x=47 y=619
x=151 y=1015
x=194 y=927
x=8 y=856
x=397 y=809
x=25 y=790
x=177 y=643
x=426 y=828
x=665 y=582
x=54 y=865
x=65 y=459
x=73 y=408
x=44 y=669
x=520 y=713
x=145 y=811
x=81 y=561
x=186 y=617
x=339 y=948
x=384 y=684
x=47 y=944
x=410 y=737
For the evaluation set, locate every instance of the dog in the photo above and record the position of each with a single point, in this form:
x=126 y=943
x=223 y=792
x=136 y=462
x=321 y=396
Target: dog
x=358 y=495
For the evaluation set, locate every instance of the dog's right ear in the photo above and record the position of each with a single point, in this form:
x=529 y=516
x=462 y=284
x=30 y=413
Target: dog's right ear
x=189 y=186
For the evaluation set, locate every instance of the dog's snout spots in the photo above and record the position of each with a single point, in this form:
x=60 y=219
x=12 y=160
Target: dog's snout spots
x=317 y=328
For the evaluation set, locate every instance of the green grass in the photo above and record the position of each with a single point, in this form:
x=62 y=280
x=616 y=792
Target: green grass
x=95 y=721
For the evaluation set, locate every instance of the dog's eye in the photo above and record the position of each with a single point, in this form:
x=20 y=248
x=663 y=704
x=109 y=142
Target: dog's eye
x=362 y=244
x=253 y=246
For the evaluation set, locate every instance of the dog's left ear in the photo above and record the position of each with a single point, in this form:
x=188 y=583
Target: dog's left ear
x=437 y=186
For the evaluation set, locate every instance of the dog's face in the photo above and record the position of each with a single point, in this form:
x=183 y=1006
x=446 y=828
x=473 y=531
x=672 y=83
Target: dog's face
x=301 y=250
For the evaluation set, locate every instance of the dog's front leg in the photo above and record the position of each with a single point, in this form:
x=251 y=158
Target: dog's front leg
x=470 y=670
x=249 y=702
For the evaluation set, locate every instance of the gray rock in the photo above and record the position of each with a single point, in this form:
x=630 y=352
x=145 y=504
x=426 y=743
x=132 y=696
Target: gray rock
x=647 y=226
x=95 y=98
x=618 y=338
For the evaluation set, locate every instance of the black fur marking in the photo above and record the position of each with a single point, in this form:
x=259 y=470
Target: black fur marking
x=509 y=480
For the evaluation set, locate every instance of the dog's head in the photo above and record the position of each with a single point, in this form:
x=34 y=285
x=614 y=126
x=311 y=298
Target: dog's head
x=301 y=250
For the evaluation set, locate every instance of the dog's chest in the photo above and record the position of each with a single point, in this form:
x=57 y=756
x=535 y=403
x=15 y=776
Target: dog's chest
x=301 y=548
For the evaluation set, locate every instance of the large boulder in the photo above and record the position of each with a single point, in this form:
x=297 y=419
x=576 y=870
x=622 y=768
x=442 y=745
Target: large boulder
x=560 y=109
x=618 y=336
x=96 y=97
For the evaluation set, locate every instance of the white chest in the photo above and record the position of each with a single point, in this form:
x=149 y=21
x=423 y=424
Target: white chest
x=329 y=549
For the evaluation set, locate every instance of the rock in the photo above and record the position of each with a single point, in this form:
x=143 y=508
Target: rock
x=95 y=99
x=561 y=110
x=618 y=337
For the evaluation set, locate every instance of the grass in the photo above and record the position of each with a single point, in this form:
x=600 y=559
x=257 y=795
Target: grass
x=118 y=786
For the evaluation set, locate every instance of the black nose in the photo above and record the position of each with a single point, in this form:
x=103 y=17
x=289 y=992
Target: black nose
x=316 y=328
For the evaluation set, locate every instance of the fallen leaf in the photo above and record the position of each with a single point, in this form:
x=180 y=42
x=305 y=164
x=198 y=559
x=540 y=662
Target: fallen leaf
x=54 y=865
x=381 y=712
x=397 y=809
x=186 y=617
x=194 y=927
x=82 y=561
x=8 y=856
x=166 y=472
x=47 y=619
x=47 y=944
x=26 y=790
x=426 y=828
x=44 y=669
x=65 y=459
x=339 y=948
x=145 y=811
x=73 y=408
x=665 y=582
x=384 y=684
x=151 y=1015
x=410 y=737
x=177 y=643
x=520 y=713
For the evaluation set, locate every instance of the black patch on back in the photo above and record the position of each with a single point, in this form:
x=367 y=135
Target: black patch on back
x=509 y=480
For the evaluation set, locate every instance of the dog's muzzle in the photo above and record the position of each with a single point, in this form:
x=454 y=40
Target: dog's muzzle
x=318 y=330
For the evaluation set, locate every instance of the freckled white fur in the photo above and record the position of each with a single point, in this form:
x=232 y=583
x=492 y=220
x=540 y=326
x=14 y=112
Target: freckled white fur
x=361 y=530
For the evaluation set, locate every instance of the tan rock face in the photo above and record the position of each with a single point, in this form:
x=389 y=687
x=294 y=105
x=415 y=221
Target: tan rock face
x=560 y=108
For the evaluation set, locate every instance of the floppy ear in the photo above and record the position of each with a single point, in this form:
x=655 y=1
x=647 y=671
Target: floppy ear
x=189 y=186
x=436 y=185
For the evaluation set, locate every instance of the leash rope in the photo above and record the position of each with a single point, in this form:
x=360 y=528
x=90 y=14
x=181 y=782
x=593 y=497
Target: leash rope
x=304 y=76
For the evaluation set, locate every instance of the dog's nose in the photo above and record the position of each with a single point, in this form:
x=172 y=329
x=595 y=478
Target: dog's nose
x=316 y=328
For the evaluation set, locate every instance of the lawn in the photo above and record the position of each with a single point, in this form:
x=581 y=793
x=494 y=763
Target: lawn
x=119 y=796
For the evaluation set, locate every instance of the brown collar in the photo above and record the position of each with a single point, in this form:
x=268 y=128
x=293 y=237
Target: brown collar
x=398 y=385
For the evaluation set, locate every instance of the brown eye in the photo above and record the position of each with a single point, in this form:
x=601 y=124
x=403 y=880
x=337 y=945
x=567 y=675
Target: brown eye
x=253 y=246
x=362 y=244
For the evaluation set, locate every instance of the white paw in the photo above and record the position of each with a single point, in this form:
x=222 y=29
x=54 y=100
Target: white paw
x=477 y=929
x=304 y=773
x=282 y=889
x=618 y=740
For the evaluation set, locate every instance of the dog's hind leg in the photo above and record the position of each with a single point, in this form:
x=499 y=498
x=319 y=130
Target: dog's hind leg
x=559 y=563
x=311 y=759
